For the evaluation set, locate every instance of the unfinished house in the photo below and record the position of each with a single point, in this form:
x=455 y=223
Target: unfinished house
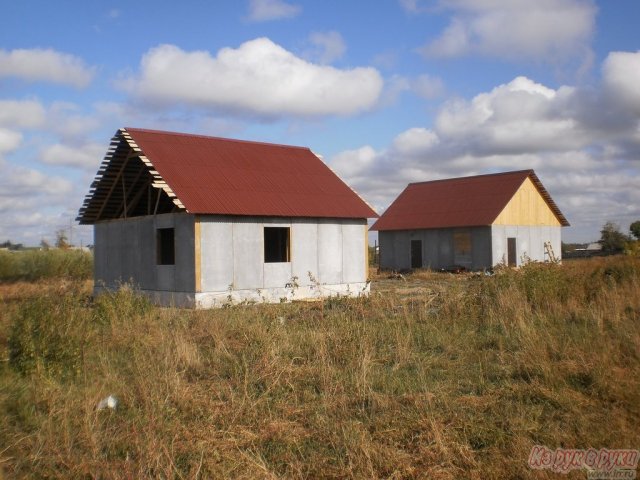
x=199 y=221
x=471 y=223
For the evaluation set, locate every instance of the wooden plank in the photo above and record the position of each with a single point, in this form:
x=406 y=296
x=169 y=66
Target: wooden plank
x=113 y=186
x=138 y=195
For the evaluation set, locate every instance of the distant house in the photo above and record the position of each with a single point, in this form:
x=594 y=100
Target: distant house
x=200 y=221
x=472 y=222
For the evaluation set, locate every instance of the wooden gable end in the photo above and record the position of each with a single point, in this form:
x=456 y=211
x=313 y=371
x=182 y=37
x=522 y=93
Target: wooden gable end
x=527 y=207
x=126 y=185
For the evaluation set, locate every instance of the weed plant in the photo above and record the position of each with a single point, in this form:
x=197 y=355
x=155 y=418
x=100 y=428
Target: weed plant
x=442 y=376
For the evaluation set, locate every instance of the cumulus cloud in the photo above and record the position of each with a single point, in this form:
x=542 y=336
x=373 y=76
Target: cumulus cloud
x=519 y=116
x=258 y=78
x=265 y=10
x=328 y=46
x=415 y=141
x=544 y=30
x=87 y=156
x=26 y=182
x=9 y=141
x=354 y=162
x=21 y=113
x=45 y=65
x=621 y=71
x=590 y=169
x=30 y=199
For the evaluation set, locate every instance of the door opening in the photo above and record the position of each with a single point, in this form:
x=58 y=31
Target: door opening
x=416 y=253
x=511 y=252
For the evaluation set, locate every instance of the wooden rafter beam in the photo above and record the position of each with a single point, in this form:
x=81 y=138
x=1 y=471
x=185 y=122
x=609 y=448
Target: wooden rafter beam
x=115 y=182
x=136 y=198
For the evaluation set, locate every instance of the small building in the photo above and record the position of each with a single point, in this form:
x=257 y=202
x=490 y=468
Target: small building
x=200 y=221
x=472 y=223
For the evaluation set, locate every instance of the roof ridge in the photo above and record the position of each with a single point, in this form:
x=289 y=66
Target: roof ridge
x=528 y=171
x=210 y=137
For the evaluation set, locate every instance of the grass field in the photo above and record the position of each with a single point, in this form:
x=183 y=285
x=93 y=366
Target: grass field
x=437 y=376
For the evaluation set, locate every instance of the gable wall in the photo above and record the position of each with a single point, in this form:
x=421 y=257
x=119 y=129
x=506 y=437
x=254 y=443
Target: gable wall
x=125 y=252
x=530 y=242
x=527 y=207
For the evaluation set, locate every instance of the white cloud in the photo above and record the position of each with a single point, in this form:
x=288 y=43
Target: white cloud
x=328 y=46
x=353 y=162
x=519 y=116
x=544 y=30
x=87 y=156
x=21 y=113
x=424 y=86
x=427 y=86
x=46 y=65
x=18 y=181
x=259 y=78
x=31 y=201
x=9 y=141
x=621 y=76
x=591 y=169
x=68 y=120
x=412 y=6
x=265 y=10
x=415 y=141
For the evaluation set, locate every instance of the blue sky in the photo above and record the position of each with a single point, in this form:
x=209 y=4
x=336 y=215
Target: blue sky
x=387 y=92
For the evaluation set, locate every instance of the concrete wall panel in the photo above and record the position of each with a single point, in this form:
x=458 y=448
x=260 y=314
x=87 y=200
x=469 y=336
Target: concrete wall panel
x=277 y=275
x=99 y=252
x=216 y=251
x=437 y=248
x=481 y=248
x=126 y=252
x=114 y=258
x=146 y=260
x=329 y=252
x=248 y=258
x=530 y=242
x=304 y=250
x=353 y=253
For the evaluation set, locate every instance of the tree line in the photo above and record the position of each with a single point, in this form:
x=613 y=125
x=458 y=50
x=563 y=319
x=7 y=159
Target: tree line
x=613 y=240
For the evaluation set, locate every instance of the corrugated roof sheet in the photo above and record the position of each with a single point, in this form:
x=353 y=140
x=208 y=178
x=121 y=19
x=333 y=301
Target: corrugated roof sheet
x=458 y=202
x=211 y=175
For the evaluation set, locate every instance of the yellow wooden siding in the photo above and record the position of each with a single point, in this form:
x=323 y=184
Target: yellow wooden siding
x=527 y=207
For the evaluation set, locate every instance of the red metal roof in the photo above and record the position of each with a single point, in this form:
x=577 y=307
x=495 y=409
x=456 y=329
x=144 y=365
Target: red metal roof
x=458 y=202
x=211 y=175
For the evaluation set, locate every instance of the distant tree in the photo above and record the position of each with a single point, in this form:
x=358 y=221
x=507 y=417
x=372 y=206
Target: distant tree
x=44 y=245
x=634 y=228
x=612 y=239
x=61 y=239
x=11 y=246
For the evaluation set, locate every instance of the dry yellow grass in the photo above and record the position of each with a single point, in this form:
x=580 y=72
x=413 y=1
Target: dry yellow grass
x=438 y=376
